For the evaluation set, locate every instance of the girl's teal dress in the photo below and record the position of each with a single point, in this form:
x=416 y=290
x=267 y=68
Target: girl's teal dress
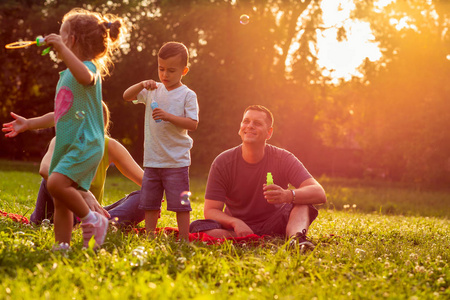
x=79 y=127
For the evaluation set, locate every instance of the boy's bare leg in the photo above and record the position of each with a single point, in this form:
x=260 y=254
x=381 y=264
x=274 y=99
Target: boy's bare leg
x=151 y=219
x=183 y=220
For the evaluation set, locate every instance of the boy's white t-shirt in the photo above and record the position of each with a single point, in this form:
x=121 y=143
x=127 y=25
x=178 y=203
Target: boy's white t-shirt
x=166 y=145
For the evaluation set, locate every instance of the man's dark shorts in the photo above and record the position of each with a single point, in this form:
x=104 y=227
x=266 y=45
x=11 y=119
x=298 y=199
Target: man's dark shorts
x=275 y=225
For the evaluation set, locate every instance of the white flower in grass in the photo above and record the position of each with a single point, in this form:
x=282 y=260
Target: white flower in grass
x=413 y=256
x=359 y=251
x=419 y=269
x=181 y=259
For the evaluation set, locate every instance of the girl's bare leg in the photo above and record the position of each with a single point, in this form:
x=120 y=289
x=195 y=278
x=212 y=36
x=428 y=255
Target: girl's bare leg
x=67 y=201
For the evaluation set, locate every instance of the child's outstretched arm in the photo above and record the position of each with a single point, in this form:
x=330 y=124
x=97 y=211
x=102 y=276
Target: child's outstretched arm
x=131 y=93
x=79 y=70
x=123 y=160
x=21 y=124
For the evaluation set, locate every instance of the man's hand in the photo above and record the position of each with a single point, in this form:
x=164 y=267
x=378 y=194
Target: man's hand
x=15 y=127
x=274 y=194
x=93 y=203
x=241 y=229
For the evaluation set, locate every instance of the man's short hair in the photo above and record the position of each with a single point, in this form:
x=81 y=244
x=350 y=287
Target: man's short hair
x=265 y=110
x=171 y=49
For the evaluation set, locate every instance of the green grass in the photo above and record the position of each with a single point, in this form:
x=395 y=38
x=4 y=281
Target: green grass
x=363 y=252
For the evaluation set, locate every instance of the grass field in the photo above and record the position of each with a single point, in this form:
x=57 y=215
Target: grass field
x=374 y=240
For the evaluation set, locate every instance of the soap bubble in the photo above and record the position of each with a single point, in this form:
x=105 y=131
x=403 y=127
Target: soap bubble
x=80 y=114
x=45 y=224
x=184 y=196
x=244 y=19
x=138 y=256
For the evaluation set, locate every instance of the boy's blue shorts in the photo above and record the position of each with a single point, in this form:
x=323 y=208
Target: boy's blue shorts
x=172 y=181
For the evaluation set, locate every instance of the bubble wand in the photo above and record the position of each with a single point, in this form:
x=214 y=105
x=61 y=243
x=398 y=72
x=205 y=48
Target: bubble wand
x=40 y=41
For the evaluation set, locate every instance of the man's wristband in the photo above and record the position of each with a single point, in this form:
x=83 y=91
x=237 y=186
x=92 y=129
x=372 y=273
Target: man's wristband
x=293 y=196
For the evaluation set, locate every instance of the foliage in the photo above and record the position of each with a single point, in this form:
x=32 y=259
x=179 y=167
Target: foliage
x=403 y=112
x=388 y=123
x=358 y=255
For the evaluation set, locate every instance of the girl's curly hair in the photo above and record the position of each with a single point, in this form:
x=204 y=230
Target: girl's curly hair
x=96 y=35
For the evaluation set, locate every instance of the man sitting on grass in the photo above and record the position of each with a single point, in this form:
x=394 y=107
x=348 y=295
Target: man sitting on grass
x=237 y=180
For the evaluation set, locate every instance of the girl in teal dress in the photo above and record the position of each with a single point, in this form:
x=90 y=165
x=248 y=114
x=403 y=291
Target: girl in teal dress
x=84 y=44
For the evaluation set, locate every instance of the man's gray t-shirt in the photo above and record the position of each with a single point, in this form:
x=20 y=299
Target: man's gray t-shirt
x=240 y=185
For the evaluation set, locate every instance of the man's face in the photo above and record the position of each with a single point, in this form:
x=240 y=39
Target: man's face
x=171 y=71
x=255 y=128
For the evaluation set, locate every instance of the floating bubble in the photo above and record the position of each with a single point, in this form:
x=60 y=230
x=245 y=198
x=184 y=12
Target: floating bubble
x=138 y=256
x=80 y=114
x=244 y=19
x=45 y=224
x=184 y=197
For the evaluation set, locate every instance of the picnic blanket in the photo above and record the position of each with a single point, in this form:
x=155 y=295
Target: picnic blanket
x=200 y=236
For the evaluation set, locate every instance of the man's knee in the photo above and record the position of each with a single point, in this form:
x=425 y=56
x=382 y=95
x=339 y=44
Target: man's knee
x=302 y=210
x=306 y=213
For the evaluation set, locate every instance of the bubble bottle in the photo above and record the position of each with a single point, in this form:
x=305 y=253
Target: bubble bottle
x=269 y=179
x=154 y=105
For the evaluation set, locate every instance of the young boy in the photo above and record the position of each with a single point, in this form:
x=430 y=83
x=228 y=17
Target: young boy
x=167 y=143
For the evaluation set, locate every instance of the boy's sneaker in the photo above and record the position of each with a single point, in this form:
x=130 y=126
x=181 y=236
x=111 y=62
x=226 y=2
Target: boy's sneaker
x=96 y=229
x=301 y=241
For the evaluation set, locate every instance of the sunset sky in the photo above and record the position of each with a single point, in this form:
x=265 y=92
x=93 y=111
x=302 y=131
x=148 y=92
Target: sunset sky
x=342 y=58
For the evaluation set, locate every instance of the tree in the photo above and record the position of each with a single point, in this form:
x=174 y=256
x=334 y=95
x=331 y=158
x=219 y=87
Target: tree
x=405 y=108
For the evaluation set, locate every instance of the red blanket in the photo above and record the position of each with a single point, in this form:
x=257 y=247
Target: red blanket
x=201 y=236
x=15 y=217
